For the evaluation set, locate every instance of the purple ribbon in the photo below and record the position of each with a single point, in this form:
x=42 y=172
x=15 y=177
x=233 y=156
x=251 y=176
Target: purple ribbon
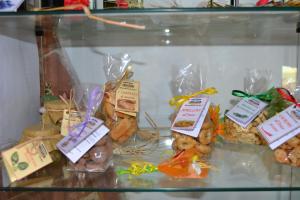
x=95 y=97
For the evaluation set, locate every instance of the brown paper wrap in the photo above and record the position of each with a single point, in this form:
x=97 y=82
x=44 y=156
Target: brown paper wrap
x=54 y=112
x=48 y=134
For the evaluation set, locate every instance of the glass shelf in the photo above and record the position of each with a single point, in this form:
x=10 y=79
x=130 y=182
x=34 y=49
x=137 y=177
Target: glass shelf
x=187 y=26
x=239 y=168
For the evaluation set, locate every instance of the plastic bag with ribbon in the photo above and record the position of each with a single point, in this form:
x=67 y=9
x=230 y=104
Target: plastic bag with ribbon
x=257 y=84
x=99 y=157
x=120 y=114
x=289 y=152
x=187 y=83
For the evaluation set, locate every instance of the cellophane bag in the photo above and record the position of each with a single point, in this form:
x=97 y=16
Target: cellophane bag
x=186 y=81
x=99 y=157
x=122 y=125
x=289 y=152
x=255 y=82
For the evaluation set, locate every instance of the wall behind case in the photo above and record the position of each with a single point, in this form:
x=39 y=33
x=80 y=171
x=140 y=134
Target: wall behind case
x=19 y=86
x=224 y=68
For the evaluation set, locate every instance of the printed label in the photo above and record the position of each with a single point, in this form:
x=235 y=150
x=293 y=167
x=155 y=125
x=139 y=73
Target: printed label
x=22 y=160
x=74 y=147
x=282 y=127
x=127 y=97
x=246 y=111
x=191 y=115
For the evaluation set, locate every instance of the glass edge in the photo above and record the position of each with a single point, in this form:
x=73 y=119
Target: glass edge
x=155 y=10
x=54 y=189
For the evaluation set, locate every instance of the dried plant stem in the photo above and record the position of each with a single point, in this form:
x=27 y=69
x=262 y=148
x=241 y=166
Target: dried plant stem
x=97 y=18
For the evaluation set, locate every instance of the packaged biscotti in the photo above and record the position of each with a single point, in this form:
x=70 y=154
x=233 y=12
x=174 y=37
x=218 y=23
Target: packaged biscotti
x=195 y=121
x=282 y=131
x=87 y=144
x=257 y=103
x=120 y=105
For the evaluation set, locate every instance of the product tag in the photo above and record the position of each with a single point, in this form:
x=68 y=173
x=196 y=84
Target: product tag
x=246 y=111
x=191 y=115
x=22 y=160
x=282 y=127
x=74 y=147
x=127 y=97
x=69 y=120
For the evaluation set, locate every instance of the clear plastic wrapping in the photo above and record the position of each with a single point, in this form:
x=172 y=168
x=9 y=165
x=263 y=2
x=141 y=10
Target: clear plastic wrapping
x=255 y=82
x=121 y=124
x=186 y=81
x=99 y=157
x=289 y=152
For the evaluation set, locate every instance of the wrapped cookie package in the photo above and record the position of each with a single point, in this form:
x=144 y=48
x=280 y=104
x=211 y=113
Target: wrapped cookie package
x=256 y=85
x=121 y=99
x=289 y=151
x=202 y=143
x=185 y=87
x=99 y=157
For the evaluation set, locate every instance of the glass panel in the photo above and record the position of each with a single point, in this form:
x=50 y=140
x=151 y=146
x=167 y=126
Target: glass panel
x=238 y=168
x=223 y=43
x=204 y=26
x=188 y=28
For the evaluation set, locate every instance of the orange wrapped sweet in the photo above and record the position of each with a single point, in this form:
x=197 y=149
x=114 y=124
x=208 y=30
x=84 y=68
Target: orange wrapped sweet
x=185 y=164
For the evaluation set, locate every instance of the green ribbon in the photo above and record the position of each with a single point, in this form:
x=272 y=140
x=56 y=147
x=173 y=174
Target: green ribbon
x=265 y=96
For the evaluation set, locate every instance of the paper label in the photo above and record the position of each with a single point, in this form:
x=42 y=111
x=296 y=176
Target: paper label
x=20 y=161
x=69 y=120
x=75 y=147
x=127 y=97
x=282 y=127
x=191 y=116
x=246 y=111
x=10 y=5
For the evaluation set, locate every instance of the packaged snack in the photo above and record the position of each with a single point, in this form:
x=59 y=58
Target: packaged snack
x=266 y=103
x=192 y=125
x=91 y=135
x=40 y=131
x=285 y=137
x=121 y=99
x=185 y=164
x=54 y=110
x=97 y=159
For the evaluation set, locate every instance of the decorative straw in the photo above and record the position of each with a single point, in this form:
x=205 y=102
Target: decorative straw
x=90 y=16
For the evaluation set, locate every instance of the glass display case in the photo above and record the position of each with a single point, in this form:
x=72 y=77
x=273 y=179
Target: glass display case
x=223 y=43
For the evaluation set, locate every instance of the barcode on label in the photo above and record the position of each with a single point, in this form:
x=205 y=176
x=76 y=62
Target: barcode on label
x=43 y=150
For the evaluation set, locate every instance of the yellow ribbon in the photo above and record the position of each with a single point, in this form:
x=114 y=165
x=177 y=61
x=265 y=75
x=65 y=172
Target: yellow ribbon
x=177 y=101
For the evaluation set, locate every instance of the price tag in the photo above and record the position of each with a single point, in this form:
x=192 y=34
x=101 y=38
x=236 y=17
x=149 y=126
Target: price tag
x=22 y=160
x=191 y=116
x=246 y=111
x=74 y=147
x=282 y=127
